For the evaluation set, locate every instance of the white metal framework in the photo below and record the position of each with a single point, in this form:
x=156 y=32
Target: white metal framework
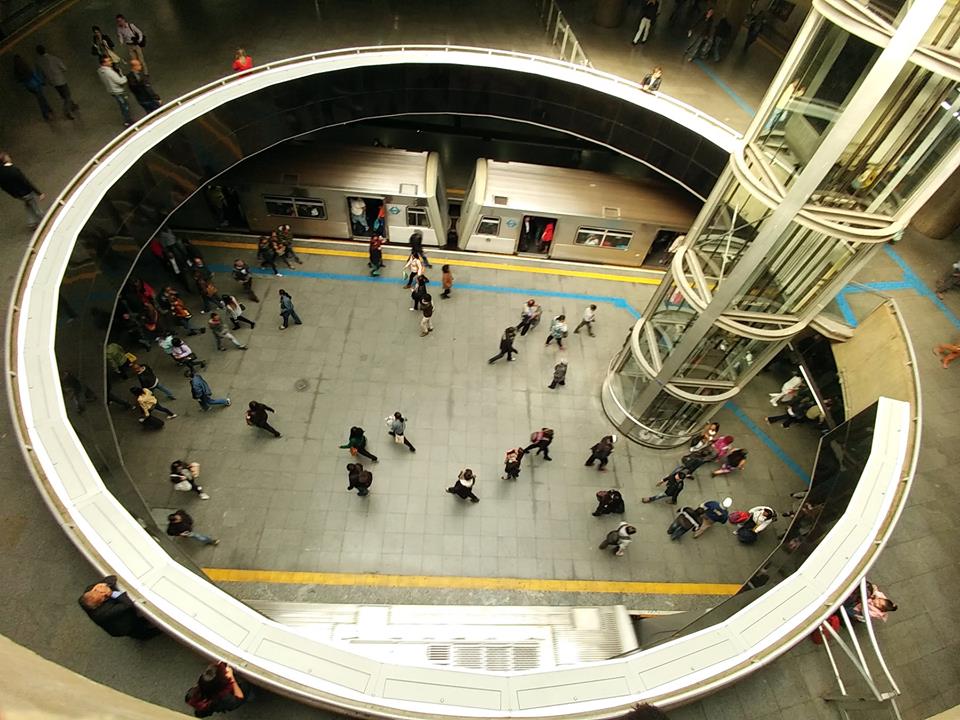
x=860 y=126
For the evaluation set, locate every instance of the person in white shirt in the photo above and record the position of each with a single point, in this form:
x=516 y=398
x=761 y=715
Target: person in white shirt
x=133 y=37
x=54 y=71
x=589 y=315
x=116 y=85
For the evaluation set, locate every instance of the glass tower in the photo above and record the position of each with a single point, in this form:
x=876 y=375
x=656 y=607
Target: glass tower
x=857 y=130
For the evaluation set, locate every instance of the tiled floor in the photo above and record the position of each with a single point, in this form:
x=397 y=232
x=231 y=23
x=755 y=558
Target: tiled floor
x=917 y=569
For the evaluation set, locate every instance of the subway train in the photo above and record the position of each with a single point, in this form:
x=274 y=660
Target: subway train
x=510 y=208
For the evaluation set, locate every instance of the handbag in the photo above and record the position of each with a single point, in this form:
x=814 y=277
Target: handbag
x=183 y=486
x=353 y=451
x=613 y=538
x=398 y=439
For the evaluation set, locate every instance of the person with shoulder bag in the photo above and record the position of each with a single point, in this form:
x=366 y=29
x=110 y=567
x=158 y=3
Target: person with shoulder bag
x=184 y=476
x=134 y=38
x=396 y=427
x=357 y=444
x=619 y=539
x=463 y=487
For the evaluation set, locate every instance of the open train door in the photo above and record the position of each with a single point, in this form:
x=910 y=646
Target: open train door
x=366 y=216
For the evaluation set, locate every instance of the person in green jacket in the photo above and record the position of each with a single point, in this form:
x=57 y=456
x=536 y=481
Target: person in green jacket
x=358 y=444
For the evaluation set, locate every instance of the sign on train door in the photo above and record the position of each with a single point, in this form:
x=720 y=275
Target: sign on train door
x=366 y=217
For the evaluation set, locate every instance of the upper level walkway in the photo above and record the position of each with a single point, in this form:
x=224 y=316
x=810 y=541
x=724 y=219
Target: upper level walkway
x=191 y=46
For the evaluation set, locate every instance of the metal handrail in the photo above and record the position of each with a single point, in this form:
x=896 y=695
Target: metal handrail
x=553 y=17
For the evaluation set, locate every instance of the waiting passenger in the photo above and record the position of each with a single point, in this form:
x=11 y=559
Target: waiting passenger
x=114 y=611
x=241 y=61
x=446 y=282
x=217 y=690
x=651 y=81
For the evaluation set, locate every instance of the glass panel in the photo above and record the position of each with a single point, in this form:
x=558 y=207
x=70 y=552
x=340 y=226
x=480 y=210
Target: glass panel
x=808 y=106
x=801 y=264
x=417 y=217
x=735 y=222
x=279 y=206
x=600 y=237
x=721 y=355
x=489 y=226
x=944 y=33
x=311 y=209
x=907 y=133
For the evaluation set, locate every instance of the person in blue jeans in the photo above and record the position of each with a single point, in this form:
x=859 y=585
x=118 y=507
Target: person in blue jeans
x=674 y=486
x=180 y=524
x=201 y=392
x=287 y=310
x=32 y=81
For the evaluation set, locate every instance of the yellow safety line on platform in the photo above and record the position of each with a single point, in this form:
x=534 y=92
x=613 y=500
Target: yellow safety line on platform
x=469 y=583
x=460 y=263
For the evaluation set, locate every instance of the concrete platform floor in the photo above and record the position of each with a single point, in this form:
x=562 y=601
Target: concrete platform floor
x=918 y=568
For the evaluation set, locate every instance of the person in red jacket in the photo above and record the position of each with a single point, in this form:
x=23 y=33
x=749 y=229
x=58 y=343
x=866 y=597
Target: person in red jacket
x=242 y=61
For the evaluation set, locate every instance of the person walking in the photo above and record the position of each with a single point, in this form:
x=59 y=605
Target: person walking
x=16 y=185
x=396 y=428
x=601 y=451
x=242 y=274
x=446 y=282
x=148 y=403
x=463 y=487
x=702 y=34
x=714 y=513
x=201 y=392
x=426 y=322
x=506 y=346
x=241 y=60
x=609 y=501
x=589 y=316
x=529 y=317
x=113 y=610
x=183 y=477
x=648 y=13
x=705 y=437
x=287 y=310
x=180 y=524
x=375 y=255
x=357 y=444
x=220 y=333
x=217 y=690
x=541 y=440
x=32 y=81
x=53 y=69
x=413 y=269
x=558 y=330
x=359 y=478
x=267 y=255
x=758 y=519
x=686 y=519
x=256 y=416
x=674 y=486
x=416 y=248
x=235 y=310
x=133 y=37
x=285 y=234
x=511 y=464
x=735 y=460
x=419 y=292
x=183 y=354
x=115 y=84
x=619 y=539
x=559 y=374
x=946 y=352
x=139 y=84
x=149 y=380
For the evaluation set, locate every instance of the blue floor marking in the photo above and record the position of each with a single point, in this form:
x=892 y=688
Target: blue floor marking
x=914 y=281
x=609 y=299
x=845 y=308
x=769 y=442
x=741 y=103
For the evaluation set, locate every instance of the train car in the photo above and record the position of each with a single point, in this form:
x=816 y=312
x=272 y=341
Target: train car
x=518 y=208
x=343 y=192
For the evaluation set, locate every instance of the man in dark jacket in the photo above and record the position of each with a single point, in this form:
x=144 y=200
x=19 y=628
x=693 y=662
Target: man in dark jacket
x=601 y=451
x=506 y=346
x=114 y=611
x=180 y=524
x=16 y=185
x=609 y=501
x=139 y=83
x=541 y=440
x=256 y=416
x=674 y=486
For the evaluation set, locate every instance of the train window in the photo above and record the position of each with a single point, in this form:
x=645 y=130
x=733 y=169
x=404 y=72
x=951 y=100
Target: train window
x=279 y=206
x=601 y=237
x=489 y=226
x=417 y=217
x=312 y=209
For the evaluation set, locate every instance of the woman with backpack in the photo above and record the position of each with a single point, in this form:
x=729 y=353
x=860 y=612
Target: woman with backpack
x=541 y=440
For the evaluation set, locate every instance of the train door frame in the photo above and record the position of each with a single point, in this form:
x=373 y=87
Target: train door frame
x=378 y=201
x=538 y=229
